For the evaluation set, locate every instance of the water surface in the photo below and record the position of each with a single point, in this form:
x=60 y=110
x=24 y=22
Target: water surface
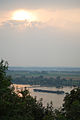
x=57 y=99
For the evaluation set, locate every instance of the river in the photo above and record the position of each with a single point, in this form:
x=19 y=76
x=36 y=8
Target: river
x=57 y=99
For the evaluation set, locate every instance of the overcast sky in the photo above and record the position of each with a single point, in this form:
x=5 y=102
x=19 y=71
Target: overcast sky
x=51 y=36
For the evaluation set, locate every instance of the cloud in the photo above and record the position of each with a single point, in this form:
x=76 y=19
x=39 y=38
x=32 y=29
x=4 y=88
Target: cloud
x=60 y=19
x=21 y=25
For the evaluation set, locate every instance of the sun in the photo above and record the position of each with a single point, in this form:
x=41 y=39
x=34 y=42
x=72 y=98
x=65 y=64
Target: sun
x=22 y=15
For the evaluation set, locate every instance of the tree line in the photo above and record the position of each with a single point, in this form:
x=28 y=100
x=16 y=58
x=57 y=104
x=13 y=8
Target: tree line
x=45 y=81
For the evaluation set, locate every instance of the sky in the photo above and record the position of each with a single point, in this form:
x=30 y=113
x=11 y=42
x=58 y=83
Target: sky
x=41 y=33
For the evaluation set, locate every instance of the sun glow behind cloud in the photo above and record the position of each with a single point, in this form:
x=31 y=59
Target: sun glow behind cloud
x=22 y=15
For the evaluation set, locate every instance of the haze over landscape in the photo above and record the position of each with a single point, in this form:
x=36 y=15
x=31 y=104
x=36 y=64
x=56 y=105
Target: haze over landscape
x=40 y=33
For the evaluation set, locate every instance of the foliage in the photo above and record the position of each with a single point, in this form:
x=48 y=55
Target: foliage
x=72 y=104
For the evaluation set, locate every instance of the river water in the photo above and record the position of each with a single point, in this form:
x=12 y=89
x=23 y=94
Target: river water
x=57 y=99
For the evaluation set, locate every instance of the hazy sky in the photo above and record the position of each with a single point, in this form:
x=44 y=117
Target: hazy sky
x=40 y=32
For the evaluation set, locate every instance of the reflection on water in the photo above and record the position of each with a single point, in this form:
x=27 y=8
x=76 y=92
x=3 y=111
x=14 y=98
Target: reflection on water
x=57 y=99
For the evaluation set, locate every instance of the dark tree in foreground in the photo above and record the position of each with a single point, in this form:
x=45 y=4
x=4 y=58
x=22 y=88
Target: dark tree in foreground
x=5 y=91
x=72 y=104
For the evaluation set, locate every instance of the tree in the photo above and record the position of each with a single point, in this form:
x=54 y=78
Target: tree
x=5 y=91
x=5 y=81
x=72 y=104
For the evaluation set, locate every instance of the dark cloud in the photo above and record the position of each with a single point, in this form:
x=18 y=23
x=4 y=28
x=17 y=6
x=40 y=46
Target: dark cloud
x=36 y=4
